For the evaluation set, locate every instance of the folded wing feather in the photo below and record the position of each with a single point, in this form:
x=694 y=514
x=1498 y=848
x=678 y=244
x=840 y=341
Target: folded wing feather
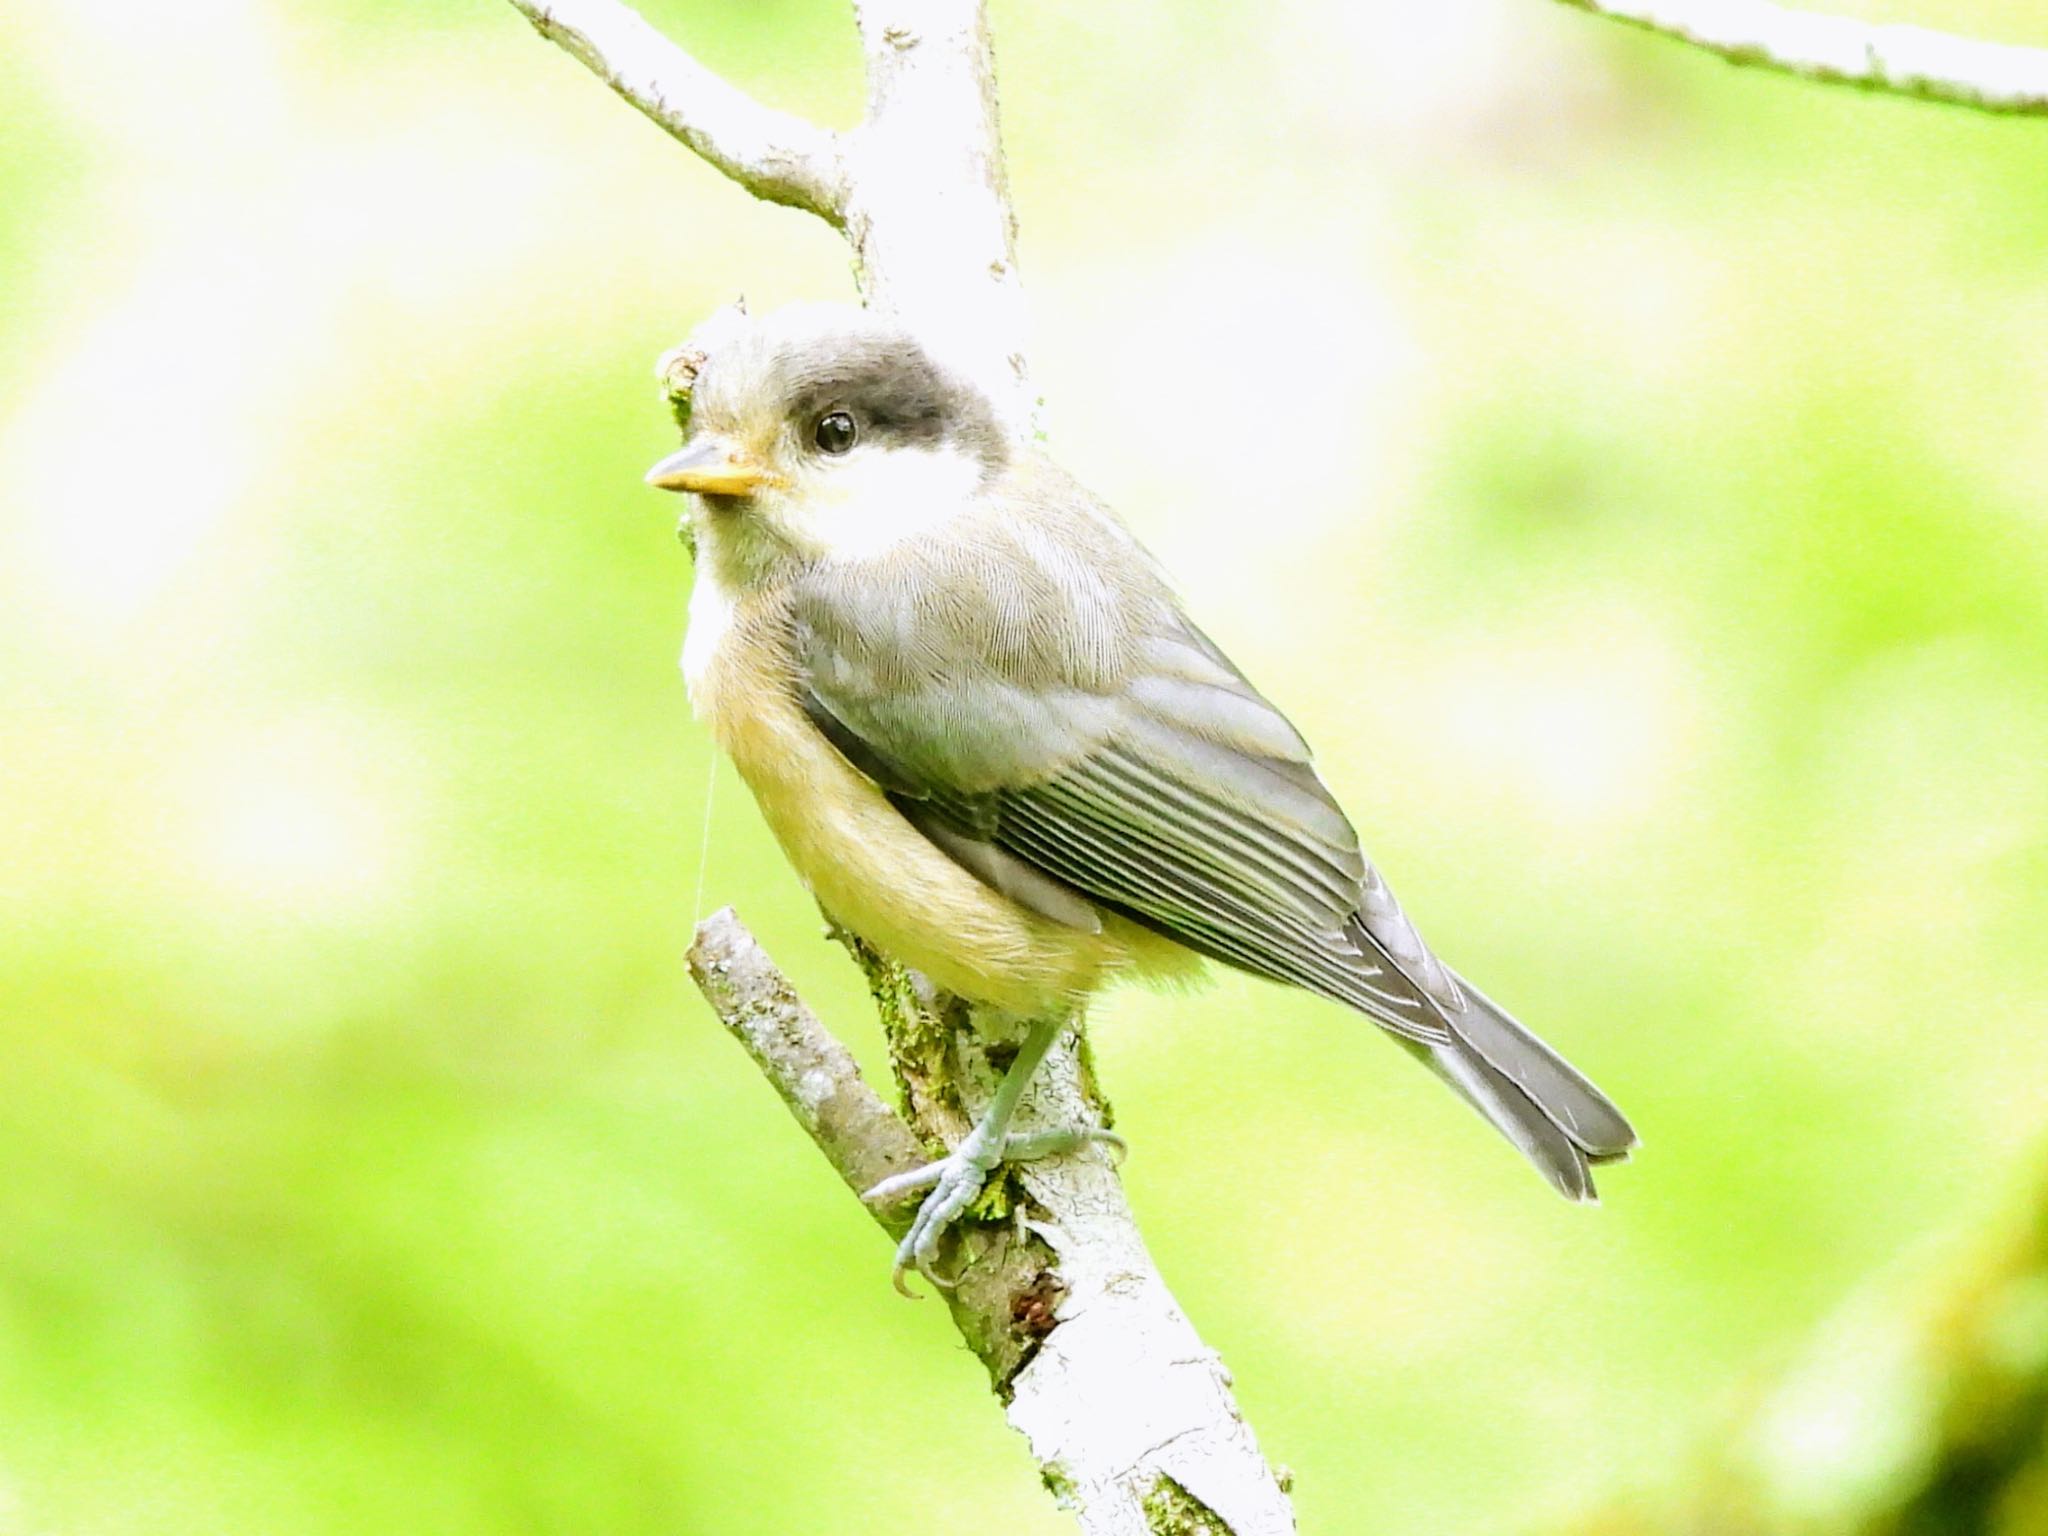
x=1103 y=752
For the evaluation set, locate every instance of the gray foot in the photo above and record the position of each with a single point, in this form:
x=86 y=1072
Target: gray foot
x=955 y=1181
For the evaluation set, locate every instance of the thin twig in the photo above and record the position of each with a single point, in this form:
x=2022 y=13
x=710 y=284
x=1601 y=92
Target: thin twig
x=862 y=1137
x=1900 y=60
x=777 y=156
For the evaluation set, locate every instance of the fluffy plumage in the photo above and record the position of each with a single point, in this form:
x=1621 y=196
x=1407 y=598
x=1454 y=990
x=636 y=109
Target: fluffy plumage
x=986 y=734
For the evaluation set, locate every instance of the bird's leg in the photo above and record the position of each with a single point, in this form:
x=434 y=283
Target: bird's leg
x=954 y=1181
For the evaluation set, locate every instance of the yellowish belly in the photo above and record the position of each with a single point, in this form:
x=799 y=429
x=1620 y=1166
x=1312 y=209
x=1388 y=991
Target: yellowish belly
x=875 y=872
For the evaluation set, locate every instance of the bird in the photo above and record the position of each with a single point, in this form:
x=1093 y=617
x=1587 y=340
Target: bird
x=981 y=725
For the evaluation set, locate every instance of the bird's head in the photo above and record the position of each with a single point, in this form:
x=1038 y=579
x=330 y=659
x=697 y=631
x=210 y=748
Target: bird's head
x=819 y=432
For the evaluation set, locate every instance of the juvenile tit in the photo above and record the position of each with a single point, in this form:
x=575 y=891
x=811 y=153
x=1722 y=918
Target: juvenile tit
x=985 y=733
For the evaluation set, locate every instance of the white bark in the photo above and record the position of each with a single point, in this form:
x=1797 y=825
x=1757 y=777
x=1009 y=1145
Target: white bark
x=928 y=210
x=775 y=155
x=1908 y=61
x=1123 y=1395
x=1129 y=1414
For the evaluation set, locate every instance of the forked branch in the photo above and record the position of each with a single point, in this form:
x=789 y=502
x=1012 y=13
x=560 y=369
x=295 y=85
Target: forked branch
x=777 y=156
x=917 y=188
x=1129 y=1414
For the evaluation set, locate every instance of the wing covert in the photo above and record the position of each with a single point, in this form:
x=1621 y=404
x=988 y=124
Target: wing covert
x=1101 y=747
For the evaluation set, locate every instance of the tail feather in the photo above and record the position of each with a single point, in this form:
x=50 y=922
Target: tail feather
x=1546 y=1079
x=1517 y=1117
x=1543 y=1106
x=1529 y=1093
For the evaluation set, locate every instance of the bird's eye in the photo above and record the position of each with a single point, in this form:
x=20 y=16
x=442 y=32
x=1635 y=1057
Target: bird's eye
x=834 y=433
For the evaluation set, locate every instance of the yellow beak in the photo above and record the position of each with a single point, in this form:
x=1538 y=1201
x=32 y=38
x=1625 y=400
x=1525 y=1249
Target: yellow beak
x=710 y=467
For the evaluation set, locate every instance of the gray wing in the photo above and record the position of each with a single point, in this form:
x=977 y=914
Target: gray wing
x=1039 y=707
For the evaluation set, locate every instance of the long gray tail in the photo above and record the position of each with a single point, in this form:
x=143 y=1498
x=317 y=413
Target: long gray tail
x=1532 y=1095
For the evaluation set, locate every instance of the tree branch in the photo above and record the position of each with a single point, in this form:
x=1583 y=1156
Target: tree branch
x=777 y=156
x=928 y=213
x=1902 y=60
x=863 y=1138
x=1129 y=1414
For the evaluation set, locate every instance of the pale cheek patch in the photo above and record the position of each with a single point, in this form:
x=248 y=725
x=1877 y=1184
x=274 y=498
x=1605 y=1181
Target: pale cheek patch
x=877 y=498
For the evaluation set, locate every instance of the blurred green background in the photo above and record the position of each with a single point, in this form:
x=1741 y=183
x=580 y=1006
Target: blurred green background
x=1627 y=469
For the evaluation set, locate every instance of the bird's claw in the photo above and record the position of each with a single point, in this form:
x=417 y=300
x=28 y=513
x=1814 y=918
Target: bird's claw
x=956 y=1180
